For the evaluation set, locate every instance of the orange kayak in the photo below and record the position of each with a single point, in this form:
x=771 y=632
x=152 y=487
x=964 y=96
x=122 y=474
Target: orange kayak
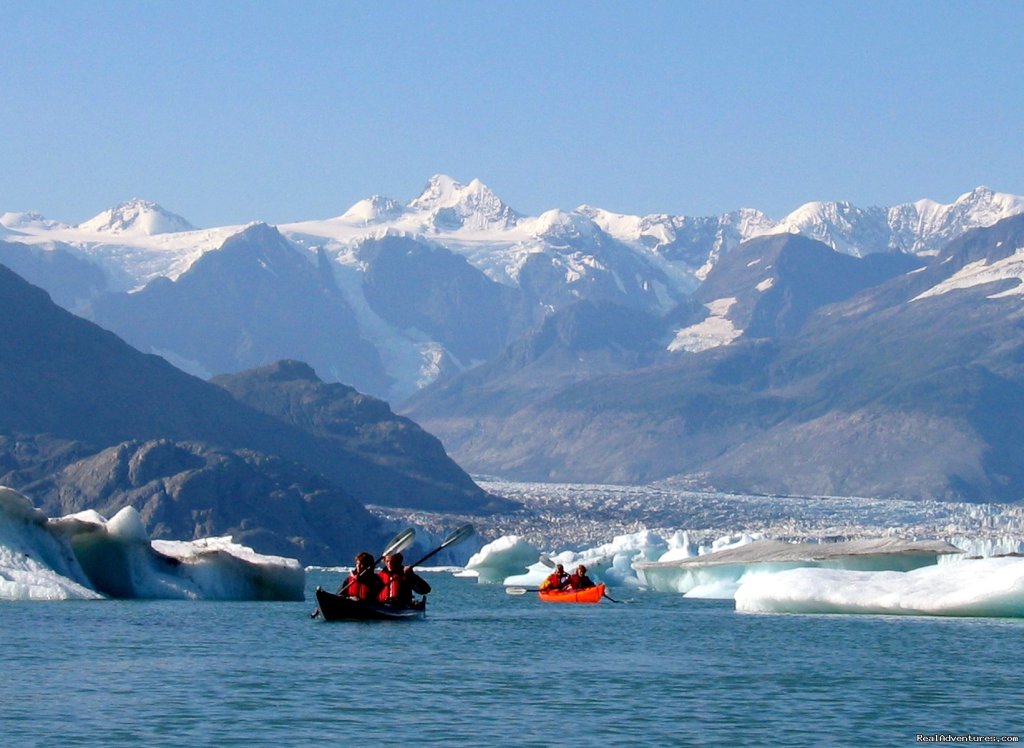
x=589 y=595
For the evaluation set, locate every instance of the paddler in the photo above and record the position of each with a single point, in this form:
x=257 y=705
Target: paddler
x=556 y=580
x=580 y=580
x=363 y=583
x=399 y=583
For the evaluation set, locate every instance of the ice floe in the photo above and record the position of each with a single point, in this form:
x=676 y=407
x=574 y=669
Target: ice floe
x=85 y=556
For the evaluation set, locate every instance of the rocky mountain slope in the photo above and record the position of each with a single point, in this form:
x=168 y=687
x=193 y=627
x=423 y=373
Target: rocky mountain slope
x=86 y=421
x=910 y=387
x=837 y=350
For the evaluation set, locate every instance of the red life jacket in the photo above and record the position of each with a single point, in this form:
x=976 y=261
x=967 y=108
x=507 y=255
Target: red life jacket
x=360 y=589
x=580 y=582
x=555 y=581
x=395 y=586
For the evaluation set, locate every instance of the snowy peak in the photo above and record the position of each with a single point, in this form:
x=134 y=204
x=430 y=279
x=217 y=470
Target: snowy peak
x=30 y=220
x=452 y=205
x=983 y=207
x=137 y=217
x=559 y=226
x=660 y=231
x=920 y=227
x=376 y=209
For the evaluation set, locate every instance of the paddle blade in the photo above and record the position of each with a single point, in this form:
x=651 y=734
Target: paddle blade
x=457 y=537
x=400 y=542
x=516 y=590
x=547 y=561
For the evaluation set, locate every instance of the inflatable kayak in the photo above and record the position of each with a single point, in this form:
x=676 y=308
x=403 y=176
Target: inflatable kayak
x=336 y=608
x=588 y=595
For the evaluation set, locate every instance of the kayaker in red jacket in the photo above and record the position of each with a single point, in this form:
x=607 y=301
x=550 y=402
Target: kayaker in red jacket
x=400 y=582
x=580 y=580
x=556 y=580
x=363 y=583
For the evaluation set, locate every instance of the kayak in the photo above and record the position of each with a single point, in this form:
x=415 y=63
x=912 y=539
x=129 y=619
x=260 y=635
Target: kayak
x=337 y=608
x=588 y=595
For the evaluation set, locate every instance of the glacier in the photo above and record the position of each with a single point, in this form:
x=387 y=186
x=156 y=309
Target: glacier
x=844 y=554
x=84 y=556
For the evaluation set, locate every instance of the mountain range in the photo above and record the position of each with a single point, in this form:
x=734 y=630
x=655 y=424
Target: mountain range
x=275 y=457
x=839 y=350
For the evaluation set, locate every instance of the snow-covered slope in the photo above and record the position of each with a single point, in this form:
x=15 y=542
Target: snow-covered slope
x=472 y=221
x=921 y=227
x=138 y=217
x=650 y=263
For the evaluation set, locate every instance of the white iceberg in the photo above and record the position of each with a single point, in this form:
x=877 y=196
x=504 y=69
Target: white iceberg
x=507 y=556
x=34 y=563
x=968 y=587
x=612 y=563
x=84 y=556
x=719 y=574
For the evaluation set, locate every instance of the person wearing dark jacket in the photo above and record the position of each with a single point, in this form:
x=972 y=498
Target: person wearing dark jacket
x=363 y=583
x=399 y=583
x=580 y=580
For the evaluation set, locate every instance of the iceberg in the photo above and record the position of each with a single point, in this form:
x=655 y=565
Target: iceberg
x=514 y=562
x=967 y=587
x=501 y=558
x=35 y=564
x=84 y=556
x=612 y=563
x=720 y=574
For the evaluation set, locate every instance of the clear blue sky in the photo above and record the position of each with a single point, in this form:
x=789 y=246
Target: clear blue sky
x=227 y=112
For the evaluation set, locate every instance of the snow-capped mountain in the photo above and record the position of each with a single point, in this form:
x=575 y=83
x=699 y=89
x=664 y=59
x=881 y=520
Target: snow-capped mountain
x=372 y=210
x=137 y=216
x=737 y=351
x=474 y=273
x=922 y=227
x=451 y=206
x=30 y=220
x=884 y=375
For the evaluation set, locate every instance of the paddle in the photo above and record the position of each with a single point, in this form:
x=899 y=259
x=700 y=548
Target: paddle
x=456 y=537
x=520 y=590
x=399 y=543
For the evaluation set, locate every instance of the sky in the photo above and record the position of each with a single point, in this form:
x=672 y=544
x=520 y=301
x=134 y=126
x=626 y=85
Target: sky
x=227 y=112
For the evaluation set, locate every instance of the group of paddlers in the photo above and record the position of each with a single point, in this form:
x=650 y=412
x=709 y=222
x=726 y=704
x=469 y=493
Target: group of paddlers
x=560 y=579
x=395 y=584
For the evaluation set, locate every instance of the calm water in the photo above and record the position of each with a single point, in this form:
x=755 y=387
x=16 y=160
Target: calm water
x=490 y=669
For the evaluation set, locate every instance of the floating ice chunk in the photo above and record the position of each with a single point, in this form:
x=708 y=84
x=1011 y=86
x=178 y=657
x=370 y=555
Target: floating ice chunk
x=507 y=556
x=720 y=573
x=84 y=555
x=35 y=564
x=679 y=547
x=218 y=569
x=127 y=526
x=535 y=574
x=970 y=587
x=612 y=563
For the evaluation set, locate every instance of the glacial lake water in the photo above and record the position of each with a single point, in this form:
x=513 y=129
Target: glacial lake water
x=486 y=668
